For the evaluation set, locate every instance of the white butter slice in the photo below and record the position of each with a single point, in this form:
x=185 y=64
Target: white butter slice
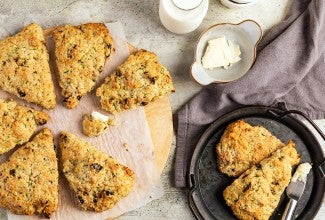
x=220 y=53
x=98 y=116
x=301 y=172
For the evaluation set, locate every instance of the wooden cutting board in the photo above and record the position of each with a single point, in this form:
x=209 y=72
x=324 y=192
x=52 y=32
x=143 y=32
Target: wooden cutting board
x=160 y=121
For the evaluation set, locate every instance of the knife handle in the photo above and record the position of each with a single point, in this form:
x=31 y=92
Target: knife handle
x=290 y=208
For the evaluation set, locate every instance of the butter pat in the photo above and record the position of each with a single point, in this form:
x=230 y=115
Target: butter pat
x=220 y=53
x=100 y=117
x=301 y=172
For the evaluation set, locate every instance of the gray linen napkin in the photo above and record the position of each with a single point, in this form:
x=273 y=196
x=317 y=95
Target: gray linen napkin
x=290 y=68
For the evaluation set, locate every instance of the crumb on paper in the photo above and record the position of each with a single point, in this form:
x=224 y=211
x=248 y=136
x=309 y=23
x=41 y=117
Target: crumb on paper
x=125 y=146
x=140 y=146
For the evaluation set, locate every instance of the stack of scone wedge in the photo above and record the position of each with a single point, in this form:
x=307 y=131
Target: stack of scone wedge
x=263 y=165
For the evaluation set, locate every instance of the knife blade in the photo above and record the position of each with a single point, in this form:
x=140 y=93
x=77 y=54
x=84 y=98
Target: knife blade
x=295 y=189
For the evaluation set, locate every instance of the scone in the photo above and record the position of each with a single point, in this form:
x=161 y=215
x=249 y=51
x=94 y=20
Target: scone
x=242 y=145
x=256 y=193
x=17 y=124
x=98 y=180
x=95 y=124
x=139 y=80
x=24 y=67
x=29 y=179
x=81 y=52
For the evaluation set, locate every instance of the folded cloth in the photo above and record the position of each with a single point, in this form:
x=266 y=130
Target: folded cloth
x=290 y=68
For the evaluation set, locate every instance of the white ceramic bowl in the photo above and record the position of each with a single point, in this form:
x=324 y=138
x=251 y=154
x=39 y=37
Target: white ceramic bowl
x=247 y=34
x=235 y=4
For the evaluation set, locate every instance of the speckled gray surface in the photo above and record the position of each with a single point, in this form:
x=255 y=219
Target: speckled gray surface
x=144 y=30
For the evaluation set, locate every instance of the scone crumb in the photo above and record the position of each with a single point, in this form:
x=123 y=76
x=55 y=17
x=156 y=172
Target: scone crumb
x=94 y=126
x=29 y=179
x=126 y=145
x=243 y=145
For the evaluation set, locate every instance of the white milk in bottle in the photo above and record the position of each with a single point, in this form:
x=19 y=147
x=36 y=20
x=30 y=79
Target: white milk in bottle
x=182 y=16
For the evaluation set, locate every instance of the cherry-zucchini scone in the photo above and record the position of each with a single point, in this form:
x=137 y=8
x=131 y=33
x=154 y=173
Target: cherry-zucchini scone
x=18 y=123
x=97 y=180
x=80 y=54
x=24 y=67
x=243 y=145
x=29 y=179
x=256 y=193
x=139 y=80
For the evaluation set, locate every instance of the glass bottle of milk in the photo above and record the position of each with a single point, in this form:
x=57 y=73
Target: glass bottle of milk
x=182 y=16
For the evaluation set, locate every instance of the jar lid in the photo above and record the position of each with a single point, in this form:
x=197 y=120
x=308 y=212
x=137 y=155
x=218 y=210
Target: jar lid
x=187 y=4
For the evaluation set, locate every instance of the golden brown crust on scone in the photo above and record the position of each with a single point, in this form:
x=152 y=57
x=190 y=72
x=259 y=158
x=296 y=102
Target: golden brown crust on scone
x=97 y=180
x=93 y=128
x=17 y=124
x=81 y=52
x=24 y=67
x=256 y=193
x=242 y=146
x=138 y=81
x=29 y=180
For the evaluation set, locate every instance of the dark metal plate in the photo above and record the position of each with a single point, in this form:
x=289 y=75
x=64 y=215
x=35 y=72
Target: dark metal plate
x=207 y=184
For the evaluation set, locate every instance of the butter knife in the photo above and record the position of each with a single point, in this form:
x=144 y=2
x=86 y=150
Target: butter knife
x=295 y=189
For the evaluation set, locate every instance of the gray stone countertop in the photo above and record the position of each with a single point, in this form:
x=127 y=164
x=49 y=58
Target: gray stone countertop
x=144 y=30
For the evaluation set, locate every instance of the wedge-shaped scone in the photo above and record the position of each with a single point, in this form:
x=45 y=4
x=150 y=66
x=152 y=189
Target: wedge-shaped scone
x=81 y=52
x=17 y=124
x=138 y=81
x=24 y=67
x=256 y=193
x=97 y=180
x=29 y=180
x=242 y=145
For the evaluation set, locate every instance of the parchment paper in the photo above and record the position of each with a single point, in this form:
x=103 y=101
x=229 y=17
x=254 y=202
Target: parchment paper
x=128 y=141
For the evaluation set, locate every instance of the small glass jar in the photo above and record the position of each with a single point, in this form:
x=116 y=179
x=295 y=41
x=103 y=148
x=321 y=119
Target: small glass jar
x=182 y=16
